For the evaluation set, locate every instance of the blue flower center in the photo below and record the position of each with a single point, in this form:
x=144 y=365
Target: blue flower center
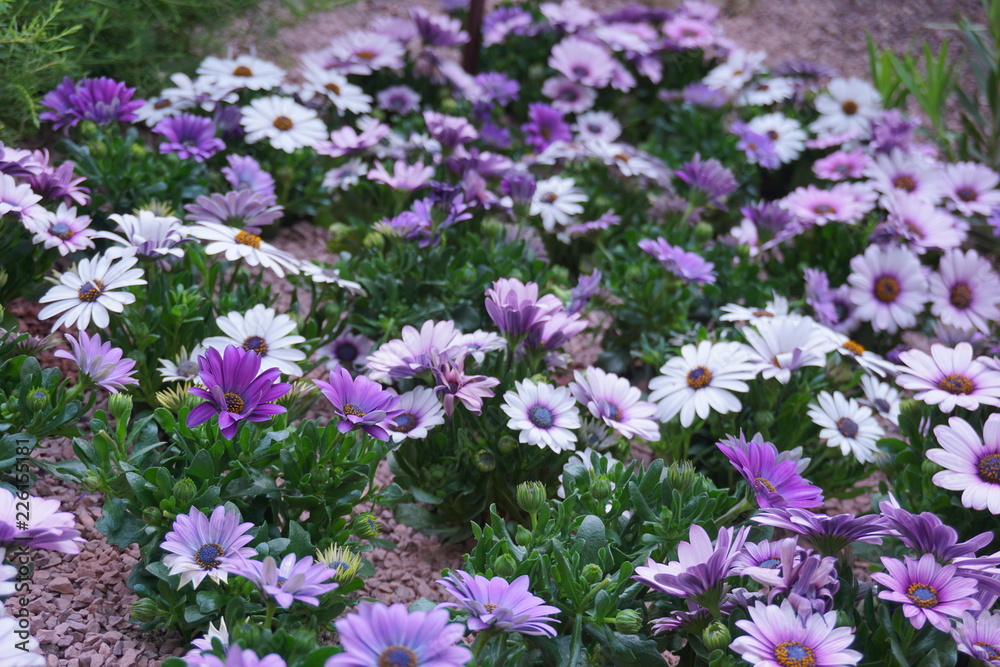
x=541 y=416
x=255 y=344
x=579 y=71
x=397 y=656
x=989 y=468
x=89 y=291
x=881 y=405
x=991 y=650
x=207 y=556
x=922 y=595
x=794 y=654
x=610 y=410
x=699 y=378
x=403 y=423
x=187 y=368
x=847 y=427
x=353 y=410
x=61 y=230
x=346 y=352
x=770 y=563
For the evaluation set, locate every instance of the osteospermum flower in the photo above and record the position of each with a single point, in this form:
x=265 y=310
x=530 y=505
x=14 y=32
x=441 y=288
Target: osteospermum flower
x=201 y=546
x=451 y=382
x=700 y=380
x=497 y=603
x=240 y=657
x=543 y=414
x=882 y=397
x=545 y=126
x=44 y=527
x=972 y=464
x=390 y=636
x=415 y=351
x=293 y=579
x=90 y=291
x=183 y=367
x=241 y=207
x=189 y=136
x=63 y=230
x=243 y=244
x=557 y=200
x=583 y=62
x=516 y=308
x=781 y=345
x=965 y=292
x=708 y=180
x=403 y=177
x=398 y=99
x=979 y=636
x=846 y=424
x=842 y=165
x=419 y=411
x=816 y=206
x=617 y=403
x=145 y=235
x=243 y=71
x=15 y=649
x=828 y=534
x=236 y=390
x=267 y=334
x=948 y=377
x=360 y=403
x=928 y=590
x=348 y=349
x=969 y=188
x=786 y=134
x=922 y=225
x=285 y=124
x=100 y=363
x=688 y=266
x=775 y=482
x=334 y=87
x=777 y=636
x=889 y=287
x=847 y=105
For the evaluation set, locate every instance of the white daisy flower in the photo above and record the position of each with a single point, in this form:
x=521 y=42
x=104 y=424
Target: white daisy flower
x=783 y=344
x=239 y=244
x=204 y=91
x=626 y=159
x=702 y=379
x=87 y=292
x=347 y=175
x=847 y=347
x=557 y=201
x=736 y=72
x=183 y=367
x=597 y=125
x=776 y=307
x=786 y=134
x=262 y=331
x=323 y=274
x=146 y=235
x=284 y=123
x=882 y=397
x=241 y=72
x=544 y=415
x=17 y=647
x=848 y=105
x=421 y=411
x=847 y=425
x=335 y=87
x=767 y=91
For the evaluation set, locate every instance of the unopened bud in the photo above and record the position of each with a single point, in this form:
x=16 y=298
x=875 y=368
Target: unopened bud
x=703 y=231
x=121 y=405
x=600 y=489
x=592 y=573
x=681 y=475
x=628 y=621
x=506 y=444
x=531 y=496
x=144 y=610
x=716 y=636
x=522 y=536
x=38 y=400
x=484 y=460
x=365 y=526
x=505 y=566
x=184 y=491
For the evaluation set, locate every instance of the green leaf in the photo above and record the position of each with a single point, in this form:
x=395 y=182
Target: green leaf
x=593 y=537
x=299 y=541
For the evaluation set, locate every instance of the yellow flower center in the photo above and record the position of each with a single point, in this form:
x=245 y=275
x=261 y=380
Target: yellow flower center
x=246 y=238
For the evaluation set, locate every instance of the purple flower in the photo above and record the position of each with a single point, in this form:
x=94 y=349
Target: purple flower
x=238 y=657
x=99 y=362
x=925 y=533
x=767 y=215
x=583 y=62
x=503 y=21
x=360 y=403
x=497 y=603
x=586 y=288
x=891 y=130
x=398 y=99
x=189 y=136
x=496 y=88
x=686 y=265
x=452 y=382
x=829 y=534
x=392 y=636
x=928 y=590
x=234 y=391
x=979 y=636
x=775 y=483
x=404 y=176
x=709 y=178
x=45 y=528
x=59 y=100
x=545 y=125
x=780 y=637
x=58 y=182
x=104 y=101
x=294 y=579
x=416 y=351
x=438 y=29
x=805 y=579
x=201 y=547
x=615 y=402
x=759 y=148
x=244 y=209
x=516 y=309
x=244 y=173
x=519 y=185
x=451 y=131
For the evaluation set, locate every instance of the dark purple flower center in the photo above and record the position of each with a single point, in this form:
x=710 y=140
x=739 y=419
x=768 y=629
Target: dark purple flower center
x=770 y=563
x=346 y=351
x=255 y=344
x=187 y=368
x=960 y=296
x=886 y=289
x=847 y=427
x=61 y=230
x=794 y=654
x=353 y=410
x=966 y=194
x=922 y=595
x=699 y=378
x=541 y=416
x=403 y=423
x=397 y=656
x=580 y=71
x=234 y=403
x=989 y=468
x=904 y=182
x=992 y=651
x=568 y=95
x=89 y=291
x=956 y=384
x=850 y=107
x=881 y=405
x=610 y=410
x=759 y=482
x=594 y=128
x=207 y=556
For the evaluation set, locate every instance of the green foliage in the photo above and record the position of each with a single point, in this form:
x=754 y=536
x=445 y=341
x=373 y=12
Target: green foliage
x=980 y=107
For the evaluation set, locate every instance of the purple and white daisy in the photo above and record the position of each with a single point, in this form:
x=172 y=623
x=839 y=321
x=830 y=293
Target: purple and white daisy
x=583 y=62
x=404 y=176
x=852 y=349
x=969 y=188
x=497 y=603
x=451 y=382
x=189 y=136
x=293 y=579
x=349 y=350
x=267 y=334
x=925 y=533
x=516 y=309
x=195 y=656
x=847 y=105
x=363 y=52
x=557 y=200
x=828 y=534
x=965 y=292
x=239 y=657
x=90 y=291
x=777 y=636
x=420 y=411
x=786 y=134
x=543 y=413
x=775 y=482
x=688 y=266
x=235 y=389
x=379 y=635
x=360 y=403
x=346 y=140
x=46 y=527
x=545 y=127
x=948 y=377
x=700 y=380
x=979 y=636
x=781 y=345
x=438 y=29
x=183 y=367
x=597 y=125
x=478 y=343
x=758 y=148
x=689 y=33
x=286 y=125
x=815 y=206
x=806 y=580
x=63 y=230
x=145 y=235
x=402 y=100
x=972 y=464
x=568 y=96
x=329 y=85
x=708 y=180
x=243 y=71
x=246 y=245
x=503 y=21
x=842 y=165
x=928 y=590
x=899 y=173
x=99 y=363
x=617 y=403
x=889 y=287
x=243 y=208
x=415 y=351
x=244 y=173
x=882 y=397
x=922 y=225
x=200 y=546
x=347 y=175
x=847 y=425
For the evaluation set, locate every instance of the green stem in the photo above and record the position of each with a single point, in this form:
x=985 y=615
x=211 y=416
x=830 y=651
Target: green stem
x=477 y=646
x=269 y=616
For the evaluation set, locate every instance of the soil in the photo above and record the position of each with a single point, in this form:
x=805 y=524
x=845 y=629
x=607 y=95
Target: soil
x=80 y=605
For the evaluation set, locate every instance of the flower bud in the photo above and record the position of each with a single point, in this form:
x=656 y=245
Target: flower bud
x=531 y=496
x=342 y=561
x=245 y=634
x=144 y=610
x=339 y=235
x=506 y=444
x=365 y=526
x=38 y=400
x=522 y=536
x=184 y=491
x=600 y=489
x=484 y=460
x=138 y=150
x=681 y=475
x=716 y=636
x=592 y=573
x=928 y=467
x=764 y=419
x=703 y=231
x=505 y=566
x=373 y=240
x=121 y=405
x=628 y=621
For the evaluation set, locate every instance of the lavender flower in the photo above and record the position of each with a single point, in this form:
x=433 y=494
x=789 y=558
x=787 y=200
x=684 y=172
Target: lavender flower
x=497 y=603
x=360 y=403
x=709 y=179
x=451 y=131
x=102 y=101
x=496 y=88
x=452 y=382
x=99 y=362
x=58 y=182
x=780 y=636
x=235 y=391
x=806 y=580
x=415 y=352
x=516 y=308
x=586 y=288
x=189 y=136
x=759 y=148
x=928 y=590
x=238 y=657
x=240 y=208
x=45 y=528
x=59 y=100
x=438 y=29
x=686 y=265
x=775 y=483
x=294 y=579
x=545 y=126
x=244 y=173
x=925 y=533
x=829 y=534
x=201 y=547
x=398 y=99
x=979 y=636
